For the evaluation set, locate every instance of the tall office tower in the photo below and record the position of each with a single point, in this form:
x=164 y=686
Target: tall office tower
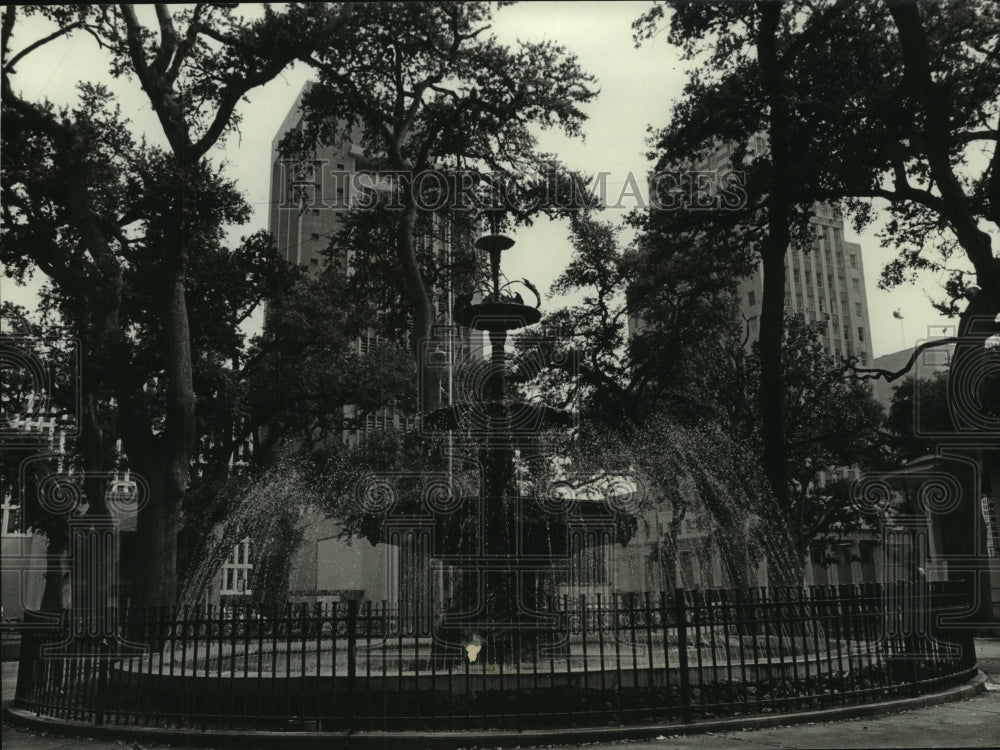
x=308 y=205
x=308 y=201
x=825 y=284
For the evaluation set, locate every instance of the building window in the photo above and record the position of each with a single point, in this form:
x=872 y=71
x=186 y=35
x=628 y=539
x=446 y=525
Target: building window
x=314 y=261
x=864 y=359
x=590 y=567
x=861 y=333
x=822 y=305
x=992 y=527
x=844 y=562
x=11 y=516
x=236 y=570
x=817 y=555
x=857 y=285
x=751 y=298
x=857 y=309
x=690 y=570
x=854 y=260
x=868 y=551
x=314 y=236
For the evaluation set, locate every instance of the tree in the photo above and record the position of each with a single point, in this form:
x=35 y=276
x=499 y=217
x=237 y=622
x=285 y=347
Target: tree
x=752 y=52
x=374 y=283
x=38 y=383
x=204 y=63
x=831 y=423
x=920 y=413
x=650 y=318
x=429 y=92
x=686 y=379
x=899 y=117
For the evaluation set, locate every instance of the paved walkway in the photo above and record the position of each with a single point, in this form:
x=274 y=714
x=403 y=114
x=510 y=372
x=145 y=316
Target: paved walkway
x=974 y=722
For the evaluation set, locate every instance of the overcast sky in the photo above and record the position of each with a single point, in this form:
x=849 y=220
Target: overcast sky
x=637 y=88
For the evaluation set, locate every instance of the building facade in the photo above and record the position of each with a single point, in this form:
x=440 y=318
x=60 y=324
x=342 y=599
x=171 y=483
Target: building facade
x=824 y=283
x=43 y=436
x=308 y=206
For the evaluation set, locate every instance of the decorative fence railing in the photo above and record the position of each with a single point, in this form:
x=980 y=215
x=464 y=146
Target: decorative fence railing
x=681 y=655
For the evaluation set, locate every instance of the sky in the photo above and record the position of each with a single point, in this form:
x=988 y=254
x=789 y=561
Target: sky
x=637 y=87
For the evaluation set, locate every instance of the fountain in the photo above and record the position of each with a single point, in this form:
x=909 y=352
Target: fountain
x=352 y=666
x=503 y=548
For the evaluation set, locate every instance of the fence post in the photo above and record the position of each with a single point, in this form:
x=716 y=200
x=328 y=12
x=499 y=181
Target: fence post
x=352 y=639
x=103 y=664
x=29 y=660
x=680 y=609
x=352 y=652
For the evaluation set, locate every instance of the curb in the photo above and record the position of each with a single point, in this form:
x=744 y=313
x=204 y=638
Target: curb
x=456 y=740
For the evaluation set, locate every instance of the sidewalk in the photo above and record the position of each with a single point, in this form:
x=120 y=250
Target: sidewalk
x=974 y=722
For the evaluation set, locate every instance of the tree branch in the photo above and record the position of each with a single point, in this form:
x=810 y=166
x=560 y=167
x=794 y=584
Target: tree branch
x=814 y=32
x=874 y=373
x=9 y=66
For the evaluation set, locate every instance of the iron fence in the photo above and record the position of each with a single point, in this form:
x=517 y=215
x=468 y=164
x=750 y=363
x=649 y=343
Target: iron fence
x=681 y=655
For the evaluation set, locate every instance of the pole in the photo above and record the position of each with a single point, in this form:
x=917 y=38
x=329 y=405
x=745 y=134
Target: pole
x=680 y=611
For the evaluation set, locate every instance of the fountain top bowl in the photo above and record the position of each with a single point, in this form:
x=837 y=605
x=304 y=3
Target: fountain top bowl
x=494 y=242
x=497 y=316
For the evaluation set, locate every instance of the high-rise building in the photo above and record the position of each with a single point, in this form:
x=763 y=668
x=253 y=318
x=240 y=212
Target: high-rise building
x=308 y=200
x=825 y=283
x=308 y=206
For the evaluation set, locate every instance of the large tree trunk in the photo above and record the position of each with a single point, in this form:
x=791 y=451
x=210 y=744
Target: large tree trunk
x=168 y=467
x=420 y=301
x=56 y=577
x=965 y=376
x=155 y=574
x=774 y=246
x=977 y=320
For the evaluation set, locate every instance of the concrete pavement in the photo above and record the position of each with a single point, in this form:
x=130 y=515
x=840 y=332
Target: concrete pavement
x=973 y=722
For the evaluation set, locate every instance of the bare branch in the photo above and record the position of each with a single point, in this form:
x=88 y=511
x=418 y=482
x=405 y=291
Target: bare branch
x=9 y=66
x=168 y=41
x=874 y=373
